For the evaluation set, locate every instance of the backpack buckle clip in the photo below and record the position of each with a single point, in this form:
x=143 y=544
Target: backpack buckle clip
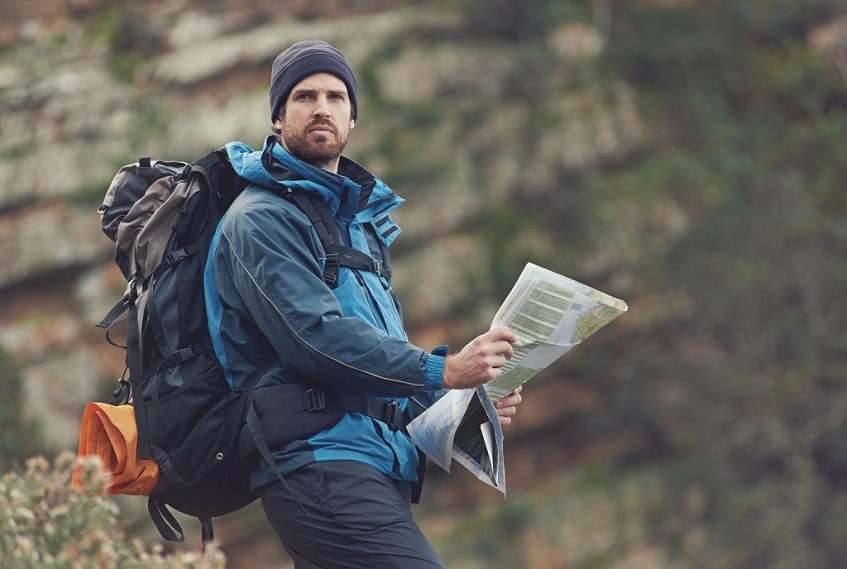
x=185 y=354
x=393 y=414
x=331 y=266
x=179 y=255
x=315 y=399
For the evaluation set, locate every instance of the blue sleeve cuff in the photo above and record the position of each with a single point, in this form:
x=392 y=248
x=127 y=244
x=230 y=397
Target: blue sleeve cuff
x=435 y=368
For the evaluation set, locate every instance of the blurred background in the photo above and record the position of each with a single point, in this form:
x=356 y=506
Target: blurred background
x=689 y=157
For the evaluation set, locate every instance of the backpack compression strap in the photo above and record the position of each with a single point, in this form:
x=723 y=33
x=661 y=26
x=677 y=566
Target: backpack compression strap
x=133 y=360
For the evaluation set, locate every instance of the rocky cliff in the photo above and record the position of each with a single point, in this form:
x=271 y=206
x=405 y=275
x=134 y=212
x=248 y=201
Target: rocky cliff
x=86 y=87
x=683 y=156
x=199 y=78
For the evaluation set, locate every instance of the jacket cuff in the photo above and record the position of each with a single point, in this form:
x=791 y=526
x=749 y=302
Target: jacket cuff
x=435 y=368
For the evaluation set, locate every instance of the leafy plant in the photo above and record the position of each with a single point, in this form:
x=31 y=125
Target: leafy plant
x=44 y=524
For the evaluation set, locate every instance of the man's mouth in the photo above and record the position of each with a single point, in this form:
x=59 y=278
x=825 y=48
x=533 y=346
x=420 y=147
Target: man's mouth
x=322 y=129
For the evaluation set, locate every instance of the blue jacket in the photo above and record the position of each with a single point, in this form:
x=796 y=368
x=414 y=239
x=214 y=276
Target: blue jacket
x=265 y=295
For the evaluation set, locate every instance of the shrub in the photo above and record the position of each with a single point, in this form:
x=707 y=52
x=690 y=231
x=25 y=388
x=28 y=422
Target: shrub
x=44 y=524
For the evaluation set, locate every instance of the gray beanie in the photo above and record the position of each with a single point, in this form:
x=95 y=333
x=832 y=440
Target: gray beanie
x=303 y=59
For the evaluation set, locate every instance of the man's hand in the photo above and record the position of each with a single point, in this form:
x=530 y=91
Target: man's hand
x=507 y=407
x=480 y=361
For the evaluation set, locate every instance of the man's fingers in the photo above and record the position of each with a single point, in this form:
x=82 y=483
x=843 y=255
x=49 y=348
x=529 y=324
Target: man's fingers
x=500 y=357
x=503 y=333
x=506 y=350
x=481 y=360
x=509 y=411
x=511 y=399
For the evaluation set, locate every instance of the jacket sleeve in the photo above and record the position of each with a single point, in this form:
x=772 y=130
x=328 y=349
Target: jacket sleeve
x=271 y=255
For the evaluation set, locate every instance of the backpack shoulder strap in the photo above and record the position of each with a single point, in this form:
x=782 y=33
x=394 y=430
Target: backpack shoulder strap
x=337 y=254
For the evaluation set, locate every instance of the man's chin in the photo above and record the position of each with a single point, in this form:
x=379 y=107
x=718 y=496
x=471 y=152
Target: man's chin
x=323 y=137
x=318 y=150
x=324 y=151
x=321 y=156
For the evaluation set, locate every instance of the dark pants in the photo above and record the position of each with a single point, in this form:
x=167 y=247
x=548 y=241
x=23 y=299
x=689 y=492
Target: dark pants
x=350 y=515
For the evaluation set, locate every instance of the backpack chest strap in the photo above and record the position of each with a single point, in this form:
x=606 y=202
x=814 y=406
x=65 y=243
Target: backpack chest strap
x=343 y=256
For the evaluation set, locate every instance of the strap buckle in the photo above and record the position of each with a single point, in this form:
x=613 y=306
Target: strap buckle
x=389 y=412
x=179 y=255
x=186 y=354
x=122 y=391
x=315 y=399
x=393 y=414
x=331 y=267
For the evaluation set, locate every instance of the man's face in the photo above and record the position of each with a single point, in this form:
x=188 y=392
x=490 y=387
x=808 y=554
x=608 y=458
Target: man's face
x=315 y=120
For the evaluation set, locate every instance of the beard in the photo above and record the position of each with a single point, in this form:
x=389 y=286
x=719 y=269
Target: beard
x=315 y=150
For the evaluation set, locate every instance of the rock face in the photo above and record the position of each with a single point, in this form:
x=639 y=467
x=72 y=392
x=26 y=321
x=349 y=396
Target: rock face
x=83 y=94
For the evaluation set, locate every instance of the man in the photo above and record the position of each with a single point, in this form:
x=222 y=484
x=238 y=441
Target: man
x=335 y=485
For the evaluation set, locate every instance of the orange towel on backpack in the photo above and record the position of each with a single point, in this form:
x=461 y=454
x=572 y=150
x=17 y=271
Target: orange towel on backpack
x=109 y=431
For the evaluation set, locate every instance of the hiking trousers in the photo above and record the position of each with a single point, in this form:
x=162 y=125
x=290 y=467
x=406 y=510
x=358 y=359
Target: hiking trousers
x=346 y=514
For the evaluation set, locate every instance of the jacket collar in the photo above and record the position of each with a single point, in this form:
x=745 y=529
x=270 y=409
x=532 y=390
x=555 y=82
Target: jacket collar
x=354 y=194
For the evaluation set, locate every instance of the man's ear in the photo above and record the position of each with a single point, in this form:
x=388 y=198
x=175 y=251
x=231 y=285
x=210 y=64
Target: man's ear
x=352 y=123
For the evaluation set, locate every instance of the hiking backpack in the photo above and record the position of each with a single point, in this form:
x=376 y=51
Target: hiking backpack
x=162 y=216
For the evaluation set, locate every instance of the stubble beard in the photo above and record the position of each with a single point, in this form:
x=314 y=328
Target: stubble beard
x=317 y=152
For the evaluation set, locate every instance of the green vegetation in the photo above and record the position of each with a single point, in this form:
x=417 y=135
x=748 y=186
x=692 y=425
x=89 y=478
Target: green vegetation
x=131 y=35
x=19 y=438
x=520 y=20
x=45 y=524
x=731 y=224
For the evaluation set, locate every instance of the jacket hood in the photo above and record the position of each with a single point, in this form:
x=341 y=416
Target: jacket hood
x=354 y=194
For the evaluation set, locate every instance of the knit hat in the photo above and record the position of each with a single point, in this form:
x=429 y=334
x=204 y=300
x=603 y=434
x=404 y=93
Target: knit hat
x=305 y=58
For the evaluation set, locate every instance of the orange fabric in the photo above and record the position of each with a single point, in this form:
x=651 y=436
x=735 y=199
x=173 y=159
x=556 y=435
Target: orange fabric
x=109 y=431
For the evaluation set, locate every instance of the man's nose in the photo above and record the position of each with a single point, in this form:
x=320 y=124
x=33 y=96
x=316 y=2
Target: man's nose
x=322 y=106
